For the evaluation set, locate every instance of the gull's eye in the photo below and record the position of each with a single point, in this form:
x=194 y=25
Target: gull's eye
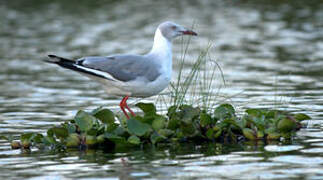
x=173 y=27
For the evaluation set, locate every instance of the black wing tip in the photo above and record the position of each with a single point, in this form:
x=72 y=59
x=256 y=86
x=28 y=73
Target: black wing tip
x=51 y=56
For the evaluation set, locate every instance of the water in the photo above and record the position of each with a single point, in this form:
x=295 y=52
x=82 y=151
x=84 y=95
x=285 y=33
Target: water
x=270 y=51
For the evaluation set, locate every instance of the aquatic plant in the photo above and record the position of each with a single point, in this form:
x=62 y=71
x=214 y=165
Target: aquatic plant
x=185 y=123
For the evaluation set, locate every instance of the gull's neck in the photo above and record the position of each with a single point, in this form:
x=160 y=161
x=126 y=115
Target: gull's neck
x=162 y=50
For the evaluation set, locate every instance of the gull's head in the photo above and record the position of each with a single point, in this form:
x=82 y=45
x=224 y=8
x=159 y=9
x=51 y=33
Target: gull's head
x=172 y=30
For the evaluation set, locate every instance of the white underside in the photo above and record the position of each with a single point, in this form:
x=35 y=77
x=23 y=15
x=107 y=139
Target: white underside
x=135 y=88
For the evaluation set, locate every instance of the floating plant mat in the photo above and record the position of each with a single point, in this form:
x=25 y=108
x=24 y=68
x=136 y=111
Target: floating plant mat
x=99 y=128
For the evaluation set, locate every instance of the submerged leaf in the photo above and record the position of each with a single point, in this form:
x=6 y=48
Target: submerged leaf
x=84 y=120
x=136 y=127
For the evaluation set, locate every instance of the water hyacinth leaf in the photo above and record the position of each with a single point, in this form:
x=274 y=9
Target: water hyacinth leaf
x=173 y=124
x=71 y=128
x=100 y=138
x=155 y=138
x=224 y=111
x=106 y=116
x=249 y=133
x=136 y=127
x=147 y=107
x=48 y=140
x=92 y=132
x=209 y=133
x=301 y=117
x=26 y=137
x=84 y=120
x=254 y=112
x=218 y=134
x=165 y=132
x=286 y=125
x=134 y=140
x=188 y=129
x=60 y=132
x=50 y=132
x=158 y=123
x=38 y=138
x=90 y=140
x=273 y=136
x=73 y=140
x=205 y=119
x=189 y=113
x=115 y=138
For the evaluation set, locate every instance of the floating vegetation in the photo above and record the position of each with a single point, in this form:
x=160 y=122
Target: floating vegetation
x=99 y=128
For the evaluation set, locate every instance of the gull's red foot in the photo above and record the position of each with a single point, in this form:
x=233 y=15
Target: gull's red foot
x=123 y=105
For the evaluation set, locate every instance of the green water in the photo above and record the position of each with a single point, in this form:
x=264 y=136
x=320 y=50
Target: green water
x=270 y=52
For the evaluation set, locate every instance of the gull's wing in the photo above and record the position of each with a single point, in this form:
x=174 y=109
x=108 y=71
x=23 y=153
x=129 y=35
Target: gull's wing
x=123 y=67
x=117 y=68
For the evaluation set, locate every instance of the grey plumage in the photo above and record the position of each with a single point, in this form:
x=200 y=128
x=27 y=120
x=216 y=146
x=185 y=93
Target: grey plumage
x=123 y=67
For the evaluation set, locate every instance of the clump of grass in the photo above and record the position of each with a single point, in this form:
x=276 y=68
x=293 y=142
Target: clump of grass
x=196 y=86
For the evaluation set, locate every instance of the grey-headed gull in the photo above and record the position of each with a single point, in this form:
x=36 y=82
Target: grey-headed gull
x=128 y=74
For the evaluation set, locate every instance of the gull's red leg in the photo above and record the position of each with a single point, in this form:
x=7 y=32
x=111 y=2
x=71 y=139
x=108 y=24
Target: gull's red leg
x=122 y=106
x=126 y=106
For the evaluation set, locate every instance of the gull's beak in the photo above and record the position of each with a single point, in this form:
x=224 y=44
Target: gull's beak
x=189 y=32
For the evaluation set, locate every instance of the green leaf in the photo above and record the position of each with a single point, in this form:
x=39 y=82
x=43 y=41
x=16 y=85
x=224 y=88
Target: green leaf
x=134 y=140
x=209 y=133
x=50 y=132
x=26 y=136
x=71 y=128
x=205 y=119
x=136 y=127
x=147 y=107
x=155 y=138
x=224 y=111
x=84 y=120
x=300 y=117
x=165 y=132
x=249 y=134
x=158 y=123
x=254 y=112
x=60 y=132
x=38 y=138
x=189 y=113
x=286 y=125
x=106 y=116
x=171 y=111
x=4 y=138
x=115 y=138
x=48 y=140
x=189 y=129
